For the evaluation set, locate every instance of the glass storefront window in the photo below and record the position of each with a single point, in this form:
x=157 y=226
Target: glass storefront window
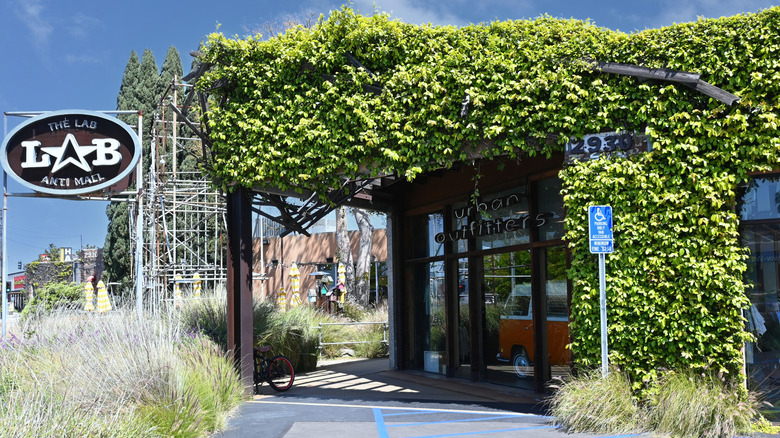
x=502 y=219
x=760 y=212
x=550 y=208
x=505 y=218
x=763 y=316
x=505 y=225
x=761 y=201
x=464 y=320
x=425 y=229
x=429 y=317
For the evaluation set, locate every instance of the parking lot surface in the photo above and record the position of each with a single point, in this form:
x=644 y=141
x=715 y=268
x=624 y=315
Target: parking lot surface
x=364 y=398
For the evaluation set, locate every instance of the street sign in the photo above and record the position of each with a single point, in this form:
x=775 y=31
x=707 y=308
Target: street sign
x=600 y=229
x=600 y=237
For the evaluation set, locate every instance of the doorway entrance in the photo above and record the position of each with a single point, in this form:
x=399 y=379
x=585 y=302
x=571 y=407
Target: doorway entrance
x=489 y=301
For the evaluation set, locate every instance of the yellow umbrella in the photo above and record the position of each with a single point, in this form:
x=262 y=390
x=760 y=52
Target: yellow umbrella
x=295 y=285
x=281 y=300
x=177 y=291
x=103 y=303
x=196 y=285
x=89 y=291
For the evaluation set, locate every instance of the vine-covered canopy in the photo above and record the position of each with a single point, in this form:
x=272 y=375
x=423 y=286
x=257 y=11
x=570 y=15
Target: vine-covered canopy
x=358 y=95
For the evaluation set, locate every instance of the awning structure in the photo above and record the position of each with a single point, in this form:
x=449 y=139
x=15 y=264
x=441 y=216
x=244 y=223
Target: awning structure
x=298 y=209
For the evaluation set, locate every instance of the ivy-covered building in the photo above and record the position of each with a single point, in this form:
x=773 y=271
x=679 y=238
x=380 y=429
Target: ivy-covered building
x=487 y=143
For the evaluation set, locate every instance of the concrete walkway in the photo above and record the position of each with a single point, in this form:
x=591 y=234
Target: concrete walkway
x=364 y=398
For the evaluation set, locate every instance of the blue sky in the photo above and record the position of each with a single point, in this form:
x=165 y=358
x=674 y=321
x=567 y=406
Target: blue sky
x=71 y=54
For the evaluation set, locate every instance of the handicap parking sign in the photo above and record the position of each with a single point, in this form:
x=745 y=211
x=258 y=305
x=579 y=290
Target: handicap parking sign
x=600 y=229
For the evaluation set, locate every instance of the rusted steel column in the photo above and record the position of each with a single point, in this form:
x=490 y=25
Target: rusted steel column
x=239 y=282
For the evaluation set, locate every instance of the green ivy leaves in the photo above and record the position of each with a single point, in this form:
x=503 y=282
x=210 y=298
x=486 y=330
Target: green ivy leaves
x=297 y=114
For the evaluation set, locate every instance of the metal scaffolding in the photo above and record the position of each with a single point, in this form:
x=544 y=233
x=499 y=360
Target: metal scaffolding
x=184 y=216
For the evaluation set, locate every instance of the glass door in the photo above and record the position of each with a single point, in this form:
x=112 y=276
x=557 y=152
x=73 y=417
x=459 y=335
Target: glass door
x=464 y=321
x=508 y=332
x=556 y=292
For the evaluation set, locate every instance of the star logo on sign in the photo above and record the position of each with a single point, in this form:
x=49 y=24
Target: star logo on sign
x=71 y=152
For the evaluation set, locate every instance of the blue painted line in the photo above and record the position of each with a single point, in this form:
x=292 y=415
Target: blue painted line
x=454 y=421
x=380 y=423
x=412 y=413
x=482 y=432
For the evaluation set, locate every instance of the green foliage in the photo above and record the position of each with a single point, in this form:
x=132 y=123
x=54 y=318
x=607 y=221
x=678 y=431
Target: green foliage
x=117 y=248
x=41 y=273
x=677 y=405
x=54 y=295
x=209 y=316
x=135 y=378
x=294 y=333
x=685 y=405
x=675 y=286
x=289 y=333
x=200 y=397
x=370 y=336
x=592 y=404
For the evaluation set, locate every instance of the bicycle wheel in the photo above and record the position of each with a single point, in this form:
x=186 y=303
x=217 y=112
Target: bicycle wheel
x=280 y=373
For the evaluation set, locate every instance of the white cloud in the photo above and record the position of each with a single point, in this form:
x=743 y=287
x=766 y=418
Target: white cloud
x=29 y=12
x=405 y=11
x=80 y=25
x=450 y=12
x=682 y=11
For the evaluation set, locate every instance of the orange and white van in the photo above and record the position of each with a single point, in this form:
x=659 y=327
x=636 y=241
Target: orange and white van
x=516 y=330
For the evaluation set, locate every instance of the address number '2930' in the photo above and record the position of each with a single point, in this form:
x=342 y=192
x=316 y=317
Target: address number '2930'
x=604 y=142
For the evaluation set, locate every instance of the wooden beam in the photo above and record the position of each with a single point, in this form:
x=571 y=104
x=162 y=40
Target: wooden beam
x=692 y=80
x=664 y=74
x=715 y=92
x=204 y=138
x=239 y=284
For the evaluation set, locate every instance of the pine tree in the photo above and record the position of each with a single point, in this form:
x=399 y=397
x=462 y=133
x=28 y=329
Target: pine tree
x=116 y=249
x=141 y=89
x=126 y=99
x=171 y=69
x=148 y=90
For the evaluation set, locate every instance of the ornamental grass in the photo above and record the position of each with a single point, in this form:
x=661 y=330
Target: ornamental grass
x=70 y=373
x=678 y=405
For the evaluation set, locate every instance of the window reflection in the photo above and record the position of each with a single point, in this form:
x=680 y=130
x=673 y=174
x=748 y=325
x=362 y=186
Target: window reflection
x=762 y=199
x=551 y=206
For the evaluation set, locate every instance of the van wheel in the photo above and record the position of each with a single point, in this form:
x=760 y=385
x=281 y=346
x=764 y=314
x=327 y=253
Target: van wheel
x=521 y=364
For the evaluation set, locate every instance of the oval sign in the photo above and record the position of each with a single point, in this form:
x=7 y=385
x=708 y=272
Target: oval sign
x=71 y=152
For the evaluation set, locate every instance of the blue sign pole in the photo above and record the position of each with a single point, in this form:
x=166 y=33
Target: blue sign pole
x=601 y=243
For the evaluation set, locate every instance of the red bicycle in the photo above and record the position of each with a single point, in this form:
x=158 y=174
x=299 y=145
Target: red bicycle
x=277 y=371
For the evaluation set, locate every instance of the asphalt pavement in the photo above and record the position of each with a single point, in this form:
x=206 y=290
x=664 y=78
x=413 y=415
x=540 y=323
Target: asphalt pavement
x=364 y=398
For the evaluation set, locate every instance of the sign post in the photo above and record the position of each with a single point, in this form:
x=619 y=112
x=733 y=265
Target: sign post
x=601 y=243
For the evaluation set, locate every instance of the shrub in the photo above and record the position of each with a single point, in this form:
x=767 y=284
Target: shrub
x=131 y=375
x=373 y=335
x=685 y=404
x=208 y=315
x=53 y=296
x=290 y=333
x=199 y=396
x=598 y=405
x=677 y=405
x=294 y=333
